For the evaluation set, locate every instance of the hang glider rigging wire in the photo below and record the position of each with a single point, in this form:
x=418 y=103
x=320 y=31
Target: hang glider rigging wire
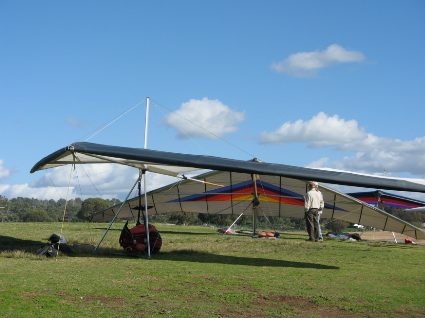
x=259 y=206
x=72 y=169
x=165 y=109
x=200 y=181
x=168 y=110
x=80 y=190
x=88 y=176
x=102 y=128
x=116 y=215
x=231 y=206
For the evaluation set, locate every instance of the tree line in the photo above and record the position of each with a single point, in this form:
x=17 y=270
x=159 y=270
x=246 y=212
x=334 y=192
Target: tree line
x=77 y=210
x=34 y=210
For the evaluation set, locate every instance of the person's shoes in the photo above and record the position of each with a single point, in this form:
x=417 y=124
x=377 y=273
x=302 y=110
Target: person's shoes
x=316 y=240
x=309 y=240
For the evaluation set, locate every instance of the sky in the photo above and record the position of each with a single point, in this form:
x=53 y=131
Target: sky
x=335 y=84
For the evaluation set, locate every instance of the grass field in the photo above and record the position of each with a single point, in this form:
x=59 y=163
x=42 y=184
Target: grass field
x=200 y=273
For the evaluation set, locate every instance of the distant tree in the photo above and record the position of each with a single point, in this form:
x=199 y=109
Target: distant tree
x=74 y=206
x=91 y=206
x=337 y=226
x=3 y=201
x=183 y=218
x=66 y=209
x=217 y=219
x=36 y=216
x=296 y=223
x=3 y=208
x=28 y=209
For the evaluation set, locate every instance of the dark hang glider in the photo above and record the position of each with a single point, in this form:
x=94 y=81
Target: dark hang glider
x=83 y=152
x=274 y=183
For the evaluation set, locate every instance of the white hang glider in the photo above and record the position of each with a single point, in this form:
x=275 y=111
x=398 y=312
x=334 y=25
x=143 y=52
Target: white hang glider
x=236 y=186
x=419 y=209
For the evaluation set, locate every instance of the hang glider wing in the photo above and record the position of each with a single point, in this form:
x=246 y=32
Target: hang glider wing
x=419 y=209
x=280 y=187
x=384 y=200
x=233 y=193
x=82 y=153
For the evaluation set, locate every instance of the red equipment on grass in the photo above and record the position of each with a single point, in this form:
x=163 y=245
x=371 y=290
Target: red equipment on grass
x=134 y=240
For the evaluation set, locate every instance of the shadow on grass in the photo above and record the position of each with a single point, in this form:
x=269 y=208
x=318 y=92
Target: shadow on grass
x=293 y=236
x=104 y=229
x=166 y=232
x=11 y=244
x=210 y=258
x=8 y=243
x=202 y=257
x=188 y=233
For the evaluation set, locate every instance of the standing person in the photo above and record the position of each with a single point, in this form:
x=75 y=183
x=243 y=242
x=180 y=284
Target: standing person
x=319 y=213
x=312 y=203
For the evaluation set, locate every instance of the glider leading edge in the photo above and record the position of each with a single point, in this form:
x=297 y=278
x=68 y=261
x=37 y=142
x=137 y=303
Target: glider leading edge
x=236 y=186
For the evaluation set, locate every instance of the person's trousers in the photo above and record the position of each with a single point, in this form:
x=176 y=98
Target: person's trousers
x=320 y=236
x=312 y=224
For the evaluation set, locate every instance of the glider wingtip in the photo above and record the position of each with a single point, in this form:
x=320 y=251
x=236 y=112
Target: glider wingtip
x=39 y=165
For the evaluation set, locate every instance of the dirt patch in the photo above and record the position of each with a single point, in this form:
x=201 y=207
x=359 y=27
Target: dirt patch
x=105 y=300
x=205 y=277
x=387 y=236
x=304 y=307
x=411 y=313
x=72 y=298
x=286 y=306
x=31 y=294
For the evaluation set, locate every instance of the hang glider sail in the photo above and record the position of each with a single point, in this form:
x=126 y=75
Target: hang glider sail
x=151 y=160
x=419 y=209
x=277 y=196
x=383 y=200
x=236 y=186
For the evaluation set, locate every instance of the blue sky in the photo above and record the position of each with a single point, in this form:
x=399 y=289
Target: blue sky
x=336 y=84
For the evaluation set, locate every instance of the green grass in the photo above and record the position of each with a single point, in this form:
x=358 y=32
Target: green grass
x=200 y=273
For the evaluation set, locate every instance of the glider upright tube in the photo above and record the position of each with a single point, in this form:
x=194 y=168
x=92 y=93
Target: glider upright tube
x=144 y=181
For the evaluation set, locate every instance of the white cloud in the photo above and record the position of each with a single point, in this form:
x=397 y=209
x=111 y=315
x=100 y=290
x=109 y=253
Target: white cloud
x=204 y=118
x=27 y=191
x=319 y=163
x=74 y=122
x=371 y=153
x=321 y=130
x=308 y=63
x=4 y=172
x=96 y=180
x=389 y=159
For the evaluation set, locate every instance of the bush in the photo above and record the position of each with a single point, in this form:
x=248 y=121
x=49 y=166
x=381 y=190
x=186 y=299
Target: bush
x=183 y=218
x=337 y=226
x=36 y=216
x=91 y=206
